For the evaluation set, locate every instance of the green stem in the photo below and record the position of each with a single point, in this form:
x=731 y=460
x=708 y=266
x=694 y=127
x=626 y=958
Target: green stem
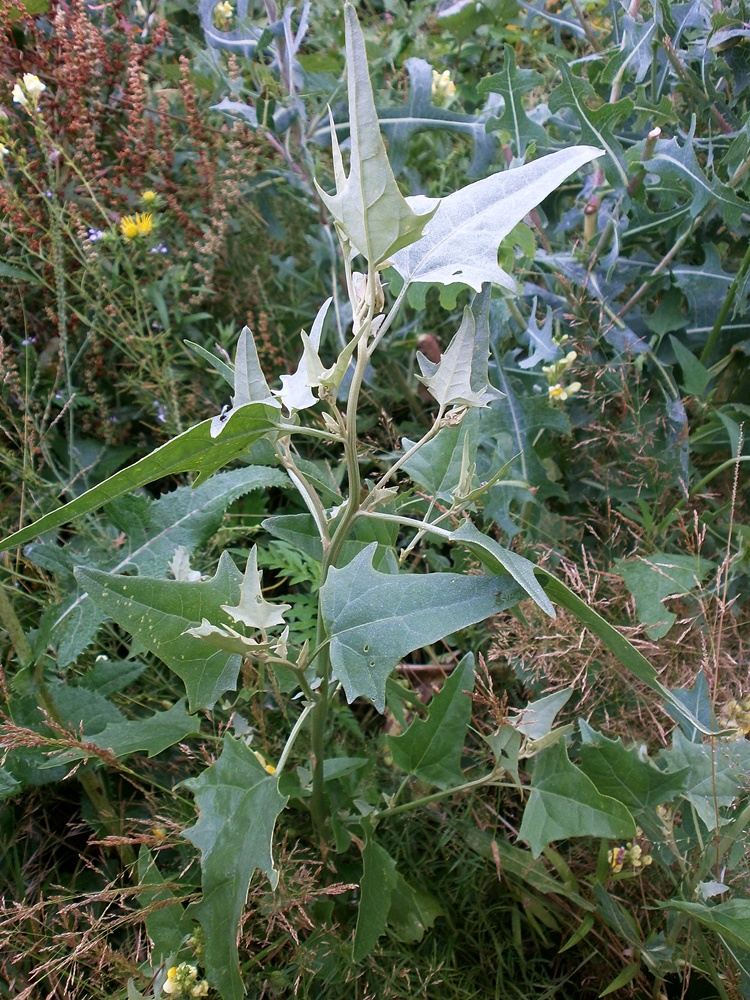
x=15 y=631
x=725 y=307
x=487 y=779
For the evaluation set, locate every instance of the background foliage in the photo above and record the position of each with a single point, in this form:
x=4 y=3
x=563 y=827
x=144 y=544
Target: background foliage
x=631 y=489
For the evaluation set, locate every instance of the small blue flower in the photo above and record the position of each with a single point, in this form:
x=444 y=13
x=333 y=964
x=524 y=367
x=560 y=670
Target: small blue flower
x=95 y=235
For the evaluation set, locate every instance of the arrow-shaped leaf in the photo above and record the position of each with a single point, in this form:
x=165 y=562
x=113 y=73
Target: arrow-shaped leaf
x=374 y=619
x=368 y=207
x=159 y=612
x=460 y=243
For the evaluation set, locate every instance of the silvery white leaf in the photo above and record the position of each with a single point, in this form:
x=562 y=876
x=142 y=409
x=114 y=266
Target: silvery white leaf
x=460 y=242
x=253 y=610
x=295 y=393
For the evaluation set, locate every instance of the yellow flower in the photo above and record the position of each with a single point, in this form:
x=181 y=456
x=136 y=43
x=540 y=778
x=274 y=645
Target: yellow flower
x=140 y=224
x=223 y=15
x=149 y=197
x=268 y=768
x=443 y=88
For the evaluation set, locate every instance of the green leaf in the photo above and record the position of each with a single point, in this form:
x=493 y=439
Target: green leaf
x=670 y=161
x=167 y=923
x=185 y=517
x=564 y=803
x=431 y=748
x=460 y=377
x=715 y=773
x=8 y=784
x=158 y=613
x=238 y=803
x=730 y=920
x=437 y=465
x=460 y=243
x=379 y=879
x=222 y=367
x=502 y=561
x=537 y=719
x=152 y=735
x=204 y=449
x=368 y=207
x=654 y=578
x=250 y=384
x=374 y=619
x=627 y=975
x=624 y=650
x=695 y=375
x=596 y=125
x=623 y=774
x=512 y=83
x=506 y=747
x=301 y=532
x=412 y=912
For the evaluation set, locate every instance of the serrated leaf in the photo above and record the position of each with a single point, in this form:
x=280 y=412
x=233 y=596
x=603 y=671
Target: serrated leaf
x=184 y=518
x=498 y=559
x=196 y=450
x=460 y=377
x=512 y=83
x=242 y=39
x=167 y=923
x=368 y=207
x=379 y=879
x=672 y=161
x=151 y=735
x=564 y=803
x=374 y=619
x=431 y=748
x=623 y=775
x=716 y=773
x=412 y=912
x=596 y=124
x=460 y=243
x=159 y=612
x=654 y=578
x=253 y=610
x=238 y=803
x=730 y=920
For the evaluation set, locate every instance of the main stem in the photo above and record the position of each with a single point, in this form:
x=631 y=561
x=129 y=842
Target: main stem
x=331 y=552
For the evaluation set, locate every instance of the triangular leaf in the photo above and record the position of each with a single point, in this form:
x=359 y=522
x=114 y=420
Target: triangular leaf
x=460 y=377
x=374 y=619
x=460 y=243
x=564 y=803
x=253 y=610
x=159 y=612
x=378 y=882
x=250 y=384
x=368 y=207
x=295 y=393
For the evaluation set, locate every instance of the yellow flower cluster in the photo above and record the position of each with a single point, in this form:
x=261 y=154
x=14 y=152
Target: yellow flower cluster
x=140 y=224
x=736 y=715
x=182 y=981
x=443 y=88
x=629 y=855
x=555 y=371
x=223 y=15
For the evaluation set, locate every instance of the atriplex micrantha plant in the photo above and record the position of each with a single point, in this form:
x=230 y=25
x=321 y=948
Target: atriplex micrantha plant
x=370 y=614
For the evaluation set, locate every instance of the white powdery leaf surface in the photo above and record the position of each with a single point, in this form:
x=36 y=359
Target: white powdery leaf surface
x=460 y=242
